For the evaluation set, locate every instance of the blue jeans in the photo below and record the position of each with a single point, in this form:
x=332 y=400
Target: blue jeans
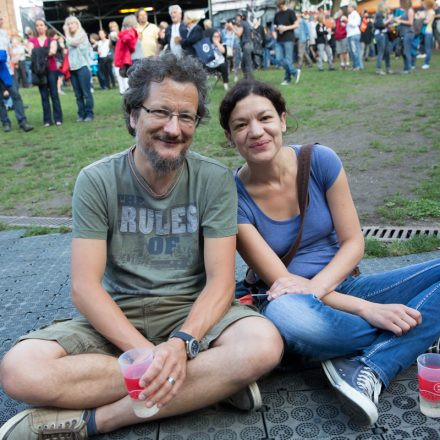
x=268 y=59
x=284 y=56
x=407 y=40
x=81 y=86
x=429 y=40
x=383 y=50
x=354 y=48
x=313 y=329
x=17 y=102
x=51 y=90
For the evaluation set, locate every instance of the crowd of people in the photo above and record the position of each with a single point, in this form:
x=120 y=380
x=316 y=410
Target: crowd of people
x=47 y=58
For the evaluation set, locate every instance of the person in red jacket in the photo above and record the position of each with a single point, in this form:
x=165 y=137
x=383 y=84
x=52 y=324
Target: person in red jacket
x=125 y=48
x=341 y=38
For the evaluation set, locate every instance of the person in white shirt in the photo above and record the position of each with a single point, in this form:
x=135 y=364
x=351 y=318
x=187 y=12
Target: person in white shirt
x=175 y=32
x=312 y=36
x=105 y=59
x=354 y=36
x=113 y=37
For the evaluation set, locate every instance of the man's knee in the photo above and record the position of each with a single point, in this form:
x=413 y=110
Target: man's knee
x=255 y=344
x=26 y=365
x=267 y=344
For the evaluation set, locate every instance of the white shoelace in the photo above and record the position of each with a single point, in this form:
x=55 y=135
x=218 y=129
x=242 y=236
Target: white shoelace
x=368 y=382
x=435 y=348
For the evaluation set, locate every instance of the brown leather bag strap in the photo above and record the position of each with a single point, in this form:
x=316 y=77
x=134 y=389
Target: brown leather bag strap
x=302 y=186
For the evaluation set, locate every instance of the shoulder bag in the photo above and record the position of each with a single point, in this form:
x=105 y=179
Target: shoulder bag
x=204 y=50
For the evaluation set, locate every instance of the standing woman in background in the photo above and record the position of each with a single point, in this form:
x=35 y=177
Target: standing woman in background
x=113 y=37
x=78 y=47
x=105 y=59
x=324 y=49
x=405 y=22
x=195 y=32
x=381 y=22
x=48 y=82
x=18 y=57
x=127 y=50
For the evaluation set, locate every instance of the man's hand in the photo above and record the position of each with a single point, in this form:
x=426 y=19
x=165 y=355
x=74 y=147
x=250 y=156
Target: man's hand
x=177 y=39
x=290 y=284
x=281 y=28
x=169 y=362
x=396 y=318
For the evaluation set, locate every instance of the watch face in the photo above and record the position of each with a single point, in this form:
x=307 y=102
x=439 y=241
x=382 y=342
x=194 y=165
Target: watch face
x=193 y=348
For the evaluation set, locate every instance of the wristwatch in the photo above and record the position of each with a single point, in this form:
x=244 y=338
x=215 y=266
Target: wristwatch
x=192 y=345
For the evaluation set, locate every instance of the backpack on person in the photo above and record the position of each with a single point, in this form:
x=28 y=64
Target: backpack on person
x=39 y=59
x=418 y=24
x=379 y=21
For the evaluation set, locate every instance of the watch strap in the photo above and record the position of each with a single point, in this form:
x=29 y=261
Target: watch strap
x=182 y=335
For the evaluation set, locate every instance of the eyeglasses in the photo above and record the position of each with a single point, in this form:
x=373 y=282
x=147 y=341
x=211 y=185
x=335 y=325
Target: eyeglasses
x=163 y=115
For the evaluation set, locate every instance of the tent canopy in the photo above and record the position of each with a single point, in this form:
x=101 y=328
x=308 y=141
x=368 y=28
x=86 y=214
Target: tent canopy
x=94 y=14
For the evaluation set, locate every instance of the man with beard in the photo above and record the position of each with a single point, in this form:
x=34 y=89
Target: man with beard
x=152 y=266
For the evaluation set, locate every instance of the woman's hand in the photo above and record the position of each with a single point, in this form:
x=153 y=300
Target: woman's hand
x=396 y=318
x=292 y=284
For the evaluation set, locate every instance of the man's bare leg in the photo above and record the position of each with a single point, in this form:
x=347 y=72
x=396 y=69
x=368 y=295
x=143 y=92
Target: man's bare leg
x=42 y=374
x=246 y=350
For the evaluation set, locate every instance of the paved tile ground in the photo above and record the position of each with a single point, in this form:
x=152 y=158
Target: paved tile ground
x=34 y=290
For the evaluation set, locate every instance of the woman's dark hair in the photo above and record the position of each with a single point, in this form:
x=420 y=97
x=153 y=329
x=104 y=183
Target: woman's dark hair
x=156 y=69
x=245 y=88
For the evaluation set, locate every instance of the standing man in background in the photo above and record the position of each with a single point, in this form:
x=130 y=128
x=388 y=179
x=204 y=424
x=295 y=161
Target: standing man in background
x=148 y=34
x=175 y=32
x=285 y=22
x=243 y=31
x=354 y=37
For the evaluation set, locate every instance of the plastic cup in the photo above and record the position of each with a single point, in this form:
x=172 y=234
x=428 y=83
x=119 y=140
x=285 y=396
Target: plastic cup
x=134 y=363
x=429 y=384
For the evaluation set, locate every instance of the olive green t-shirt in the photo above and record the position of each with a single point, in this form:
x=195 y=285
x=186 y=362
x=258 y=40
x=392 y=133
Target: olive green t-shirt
x=154 y=245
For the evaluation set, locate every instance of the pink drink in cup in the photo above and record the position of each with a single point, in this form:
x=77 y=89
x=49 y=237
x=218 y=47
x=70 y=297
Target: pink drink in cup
x=429 y=384
x=134 y=363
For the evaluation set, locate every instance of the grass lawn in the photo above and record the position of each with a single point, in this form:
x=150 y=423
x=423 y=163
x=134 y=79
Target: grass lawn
x=38 y=169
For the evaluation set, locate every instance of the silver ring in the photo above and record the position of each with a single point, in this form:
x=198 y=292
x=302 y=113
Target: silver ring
x=171 y=380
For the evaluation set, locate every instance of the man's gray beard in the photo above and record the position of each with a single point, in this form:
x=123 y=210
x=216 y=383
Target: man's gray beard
x=160 y=164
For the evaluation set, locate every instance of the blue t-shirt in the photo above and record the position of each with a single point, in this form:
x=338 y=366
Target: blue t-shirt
x=319 y=241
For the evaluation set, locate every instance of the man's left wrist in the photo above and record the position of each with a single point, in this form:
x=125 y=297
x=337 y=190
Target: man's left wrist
x=192 y=345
